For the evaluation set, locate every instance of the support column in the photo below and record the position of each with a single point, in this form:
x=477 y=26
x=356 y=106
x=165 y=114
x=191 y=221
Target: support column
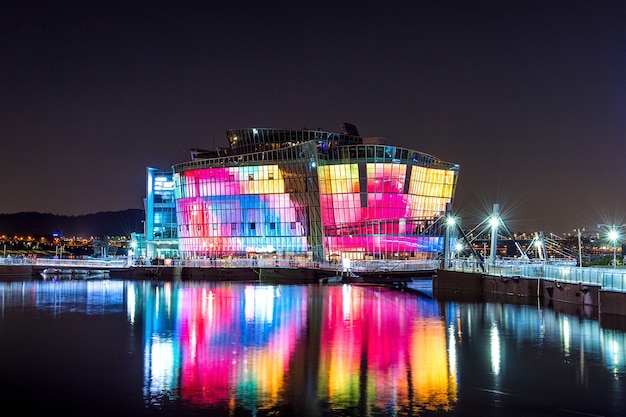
x=495 y=222
x=448 y=222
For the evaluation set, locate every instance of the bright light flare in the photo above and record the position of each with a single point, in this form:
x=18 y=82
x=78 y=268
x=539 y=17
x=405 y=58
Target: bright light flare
x=494 y=222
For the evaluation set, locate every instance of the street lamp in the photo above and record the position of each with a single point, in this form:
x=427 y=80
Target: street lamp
x=448 y=255
x=580 y=250
x=459 y=248
x=494 y=222
x=614 y=236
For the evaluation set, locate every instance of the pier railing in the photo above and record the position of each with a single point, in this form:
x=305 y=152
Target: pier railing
x=108 y=263
x=356 y=266
x=609 y=278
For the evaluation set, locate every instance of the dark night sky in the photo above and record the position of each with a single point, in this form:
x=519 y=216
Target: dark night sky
x=529 y=98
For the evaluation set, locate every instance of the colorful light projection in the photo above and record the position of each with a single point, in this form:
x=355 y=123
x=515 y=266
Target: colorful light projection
x=401 y=343
x=381 y=215
x=236 y=343
x=238 y=210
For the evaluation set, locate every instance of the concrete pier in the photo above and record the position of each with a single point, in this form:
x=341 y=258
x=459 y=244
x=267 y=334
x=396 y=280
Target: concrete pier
x=607 y=302
x=16 y=271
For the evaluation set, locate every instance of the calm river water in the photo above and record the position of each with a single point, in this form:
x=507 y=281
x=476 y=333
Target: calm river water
x=158 y=349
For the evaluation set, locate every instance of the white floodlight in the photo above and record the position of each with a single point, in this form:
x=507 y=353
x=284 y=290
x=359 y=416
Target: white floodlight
x=494 y=221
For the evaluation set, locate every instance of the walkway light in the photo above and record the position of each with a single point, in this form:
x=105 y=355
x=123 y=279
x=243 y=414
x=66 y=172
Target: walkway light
x=613 y=236
x=494 y=221
x=580 y=249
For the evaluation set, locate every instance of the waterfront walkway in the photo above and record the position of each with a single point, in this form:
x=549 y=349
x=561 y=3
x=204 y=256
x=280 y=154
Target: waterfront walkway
x=607 y=278
x=386 y=267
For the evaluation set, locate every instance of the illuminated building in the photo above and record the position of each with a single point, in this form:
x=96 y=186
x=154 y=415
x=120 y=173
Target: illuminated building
x=310 y=195
x=161 y=238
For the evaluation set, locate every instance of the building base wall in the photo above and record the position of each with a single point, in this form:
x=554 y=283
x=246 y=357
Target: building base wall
x=16 y=271
x=295 y=275
x=457 y=281
x=587 y=295
x=518 y=286
x=570 y=292
x=612 y=303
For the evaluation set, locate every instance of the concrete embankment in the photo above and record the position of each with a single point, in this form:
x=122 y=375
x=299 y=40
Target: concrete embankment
x=16 y=271
x=606 y=302
x=265 y=274
x=294 y=275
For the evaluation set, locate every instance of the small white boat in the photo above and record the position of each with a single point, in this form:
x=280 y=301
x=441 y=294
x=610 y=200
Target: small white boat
x=56 y=271
x=331 y=279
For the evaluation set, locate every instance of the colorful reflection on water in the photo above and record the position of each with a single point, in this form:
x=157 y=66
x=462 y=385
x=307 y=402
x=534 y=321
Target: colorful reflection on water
x=229 y=348
x=385 y=348
x=253 y=346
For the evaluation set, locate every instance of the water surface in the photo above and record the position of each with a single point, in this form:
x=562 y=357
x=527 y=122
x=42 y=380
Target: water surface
x=160 y=348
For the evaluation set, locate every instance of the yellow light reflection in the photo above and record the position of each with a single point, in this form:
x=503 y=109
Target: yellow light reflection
x=434 y=383
x=452 y=357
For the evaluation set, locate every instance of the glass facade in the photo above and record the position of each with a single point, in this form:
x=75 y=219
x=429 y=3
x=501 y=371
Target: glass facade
x=312 y=195
x=160 y=231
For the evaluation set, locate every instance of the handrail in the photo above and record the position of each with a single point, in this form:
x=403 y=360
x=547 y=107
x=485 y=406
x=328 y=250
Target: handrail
x=610 y=279
x=382 y=266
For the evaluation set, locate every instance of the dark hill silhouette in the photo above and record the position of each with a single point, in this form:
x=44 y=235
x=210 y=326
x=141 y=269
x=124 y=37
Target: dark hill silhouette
x=109 y=223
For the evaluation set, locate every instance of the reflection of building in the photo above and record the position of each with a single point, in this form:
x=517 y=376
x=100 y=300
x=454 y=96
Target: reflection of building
x=408 y=372
x=231 y=348
x=306 y=195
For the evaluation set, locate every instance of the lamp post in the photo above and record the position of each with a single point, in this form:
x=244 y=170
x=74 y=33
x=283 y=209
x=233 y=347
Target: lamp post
x=580 y=249
x=494 y=221
x=614 y=236
x=447 y=252
x=458 y=249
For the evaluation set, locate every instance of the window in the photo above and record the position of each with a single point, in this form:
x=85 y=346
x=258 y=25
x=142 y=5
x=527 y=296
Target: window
x=270 y=175
x=272 y=226
x=250 y=177
x=252 y=226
